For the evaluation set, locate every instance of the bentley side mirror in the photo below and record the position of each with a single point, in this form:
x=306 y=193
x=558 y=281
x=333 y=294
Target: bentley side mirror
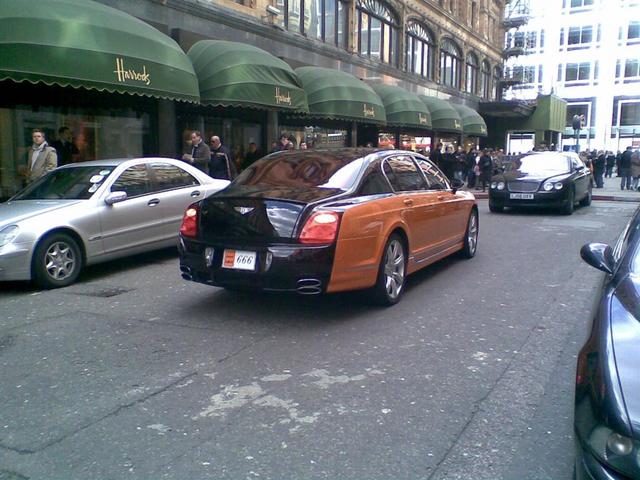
x=598 y=255
x=456 y=184
x=115 y=197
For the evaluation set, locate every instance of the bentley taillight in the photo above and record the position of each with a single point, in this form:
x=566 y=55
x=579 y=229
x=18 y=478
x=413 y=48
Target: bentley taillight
x=189 y=227
x=320 y=228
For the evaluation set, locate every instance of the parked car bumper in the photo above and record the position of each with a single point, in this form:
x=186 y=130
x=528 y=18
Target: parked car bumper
x=552 y=199
x=15 y=261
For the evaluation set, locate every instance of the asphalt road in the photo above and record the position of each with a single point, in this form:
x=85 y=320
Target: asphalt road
x=134 y=373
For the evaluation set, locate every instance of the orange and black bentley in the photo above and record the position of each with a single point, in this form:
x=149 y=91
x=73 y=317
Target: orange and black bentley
x=322 y=221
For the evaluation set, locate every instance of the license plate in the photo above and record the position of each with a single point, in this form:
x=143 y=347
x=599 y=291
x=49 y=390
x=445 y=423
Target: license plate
x=521 y=196
x=239 y=260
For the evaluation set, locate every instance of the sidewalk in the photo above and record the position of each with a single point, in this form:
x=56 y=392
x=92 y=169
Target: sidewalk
x=610 y=192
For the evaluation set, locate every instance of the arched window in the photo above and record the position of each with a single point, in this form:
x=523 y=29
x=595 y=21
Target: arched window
x=497 y=73
x=485 y=79
x=324 y=20
x=450 y=64
x=377 y=31
x=472 y=73
x=419 y=52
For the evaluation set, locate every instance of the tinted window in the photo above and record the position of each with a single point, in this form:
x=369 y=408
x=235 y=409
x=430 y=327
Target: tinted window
x=134 y=180
x=313 y=169
x=374 y=182
x=76 y=183
x=405 y=174
x=169 y=176
x=435 y=179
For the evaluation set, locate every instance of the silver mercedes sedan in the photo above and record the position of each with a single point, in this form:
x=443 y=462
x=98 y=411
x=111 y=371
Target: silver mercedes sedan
x=91 y=212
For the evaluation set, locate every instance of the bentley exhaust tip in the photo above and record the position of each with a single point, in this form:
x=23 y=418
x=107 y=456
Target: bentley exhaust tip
x=309 y=286
x=186 y=273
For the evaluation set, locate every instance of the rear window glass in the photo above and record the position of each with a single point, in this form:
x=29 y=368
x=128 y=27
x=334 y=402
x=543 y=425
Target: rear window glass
x=307 y=170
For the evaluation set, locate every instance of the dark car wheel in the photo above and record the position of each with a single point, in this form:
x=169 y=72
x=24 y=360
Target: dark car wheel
x=57 y=261
x=568 y=208
x=471 y=236
x=392 y=273
x=586 y=201
x=496 y=208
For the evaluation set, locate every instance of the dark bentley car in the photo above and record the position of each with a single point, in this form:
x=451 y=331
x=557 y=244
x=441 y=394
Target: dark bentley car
x=323 y=221
x=607 y=398
x=542 y=179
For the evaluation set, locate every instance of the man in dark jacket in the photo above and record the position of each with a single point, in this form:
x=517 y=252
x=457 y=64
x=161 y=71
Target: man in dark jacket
x=611 y=161
x=65 y=148
x=625 y=169
x=251 y=156
x=221 y=164
x=436 y=155
x=599 y=165
x=471 y=168
x=200 y=153
x=486 y=169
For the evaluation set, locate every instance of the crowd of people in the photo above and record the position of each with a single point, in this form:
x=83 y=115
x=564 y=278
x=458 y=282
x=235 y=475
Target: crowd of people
x=626 y=164
x=474 y=166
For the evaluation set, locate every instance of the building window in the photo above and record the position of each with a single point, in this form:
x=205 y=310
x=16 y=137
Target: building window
x=580 y=35
x=631 y=69
x=497 y=73
x=450 y=64
x=579 y=3
x=532 y=40
x=377 y=31
x=633 y=32
x=420 y=52
x=576 y=72
x=324 y=20
x=630 y=114
x=580 y=109
x=472 y=73
x=485 y=79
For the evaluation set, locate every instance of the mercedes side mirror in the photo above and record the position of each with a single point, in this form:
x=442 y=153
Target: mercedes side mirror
x=115 y=197
x=599 y=255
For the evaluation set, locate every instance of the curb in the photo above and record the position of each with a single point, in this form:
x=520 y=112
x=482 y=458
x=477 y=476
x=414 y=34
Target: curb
x=602 y=198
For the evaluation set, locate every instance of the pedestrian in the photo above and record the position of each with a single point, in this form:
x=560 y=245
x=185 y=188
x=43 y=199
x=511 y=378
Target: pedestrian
x=618 y=160
x=251 y=156
x=436 y=155
x=635 y=169
x=41 y=158
x=284 y=143
x=486 y=169
x=221 y=164
x=611 y=161
x=65 y=147
x=471 y=167
x=599 y=165
x=461 y=164
x=200 y=152
x=449 y=163
x=625 y=169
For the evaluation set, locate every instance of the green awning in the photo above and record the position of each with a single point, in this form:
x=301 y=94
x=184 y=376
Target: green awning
x=472 y=123
x=334 y=94
x=82 y=43
x=240 y=75
x=403 y=108
x=444 y=117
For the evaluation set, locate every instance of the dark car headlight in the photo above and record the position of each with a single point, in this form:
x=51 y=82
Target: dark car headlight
x=620 y=452
x=551 y=185
x=497 y=185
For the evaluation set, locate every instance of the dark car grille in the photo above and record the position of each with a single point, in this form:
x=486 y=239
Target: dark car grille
x=523 y=186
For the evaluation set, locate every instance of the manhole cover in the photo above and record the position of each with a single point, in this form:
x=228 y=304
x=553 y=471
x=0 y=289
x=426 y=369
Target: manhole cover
x=105 y=292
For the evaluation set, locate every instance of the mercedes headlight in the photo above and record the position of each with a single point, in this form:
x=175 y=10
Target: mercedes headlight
x=620 y=452
x=8 y=234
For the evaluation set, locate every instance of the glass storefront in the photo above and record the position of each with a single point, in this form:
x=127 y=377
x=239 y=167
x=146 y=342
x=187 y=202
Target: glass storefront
x=315 y=137
x=96 y=134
